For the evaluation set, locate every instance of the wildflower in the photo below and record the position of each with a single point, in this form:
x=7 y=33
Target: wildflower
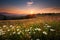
x=11 y=34
x=8 y=30
x=27 y=30
x=0 y=29
x=18 y=33
x=44 y=26
x=31 y=39
x=52 y=30
x=2 y=32
x=34 y=32
x=48 y=26
x=4 y=26
x=11 y=25
x=44 y=32
x=18 y=29
x=30 y=28
x=37 y=39
x=14 y=32
x=38 y=29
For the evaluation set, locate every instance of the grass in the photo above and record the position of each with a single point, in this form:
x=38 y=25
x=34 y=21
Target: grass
x=40 y=28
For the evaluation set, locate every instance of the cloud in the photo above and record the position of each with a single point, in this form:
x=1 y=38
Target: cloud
x=50 y=10
x=29 y=3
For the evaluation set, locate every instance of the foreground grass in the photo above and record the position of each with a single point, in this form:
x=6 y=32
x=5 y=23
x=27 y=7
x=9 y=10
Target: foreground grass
x=31 y=29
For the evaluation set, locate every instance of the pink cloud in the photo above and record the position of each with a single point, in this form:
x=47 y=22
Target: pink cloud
x=29 y=3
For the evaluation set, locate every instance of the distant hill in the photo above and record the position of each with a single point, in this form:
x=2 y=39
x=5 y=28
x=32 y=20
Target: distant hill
x=7 y=16
x=2 y=17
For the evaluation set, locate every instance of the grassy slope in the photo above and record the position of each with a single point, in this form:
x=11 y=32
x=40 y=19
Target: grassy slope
x=39 y=22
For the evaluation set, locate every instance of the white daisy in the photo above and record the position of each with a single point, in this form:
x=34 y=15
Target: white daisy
x=38 y=29
x=27 y=30
x=18 y=33
x=2 y=32
x=18 y=29
x=31 y=39
x=1 y=29
x=11 y=25
x=52 y=30
x=37 y=39
x=48 y=26
x=14 y=32
x=44 y=32
x=8 y=30
x=4 y=26
x=44 y=26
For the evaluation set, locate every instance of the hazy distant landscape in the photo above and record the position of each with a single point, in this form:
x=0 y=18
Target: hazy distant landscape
x=8 y=16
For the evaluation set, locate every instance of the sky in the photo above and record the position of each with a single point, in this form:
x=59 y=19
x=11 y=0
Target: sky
x=30 y=6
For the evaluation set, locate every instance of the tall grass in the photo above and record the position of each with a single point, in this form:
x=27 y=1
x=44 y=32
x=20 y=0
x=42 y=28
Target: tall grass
x=30 y=29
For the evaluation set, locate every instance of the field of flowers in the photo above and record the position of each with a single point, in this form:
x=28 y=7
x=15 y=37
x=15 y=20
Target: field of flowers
x=30 y=29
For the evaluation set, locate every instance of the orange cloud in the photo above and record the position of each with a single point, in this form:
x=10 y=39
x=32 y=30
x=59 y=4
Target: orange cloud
x=16 y=11
x=50 y=10
x=28 y=11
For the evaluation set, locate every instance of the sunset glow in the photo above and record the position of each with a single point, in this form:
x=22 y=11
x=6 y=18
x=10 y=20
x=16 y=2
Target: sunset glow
x=29 y=6
x=32 y=12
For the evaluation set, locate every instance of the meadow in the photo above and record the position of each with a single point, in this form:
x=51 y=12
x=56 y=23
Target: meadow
x=39 y=28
